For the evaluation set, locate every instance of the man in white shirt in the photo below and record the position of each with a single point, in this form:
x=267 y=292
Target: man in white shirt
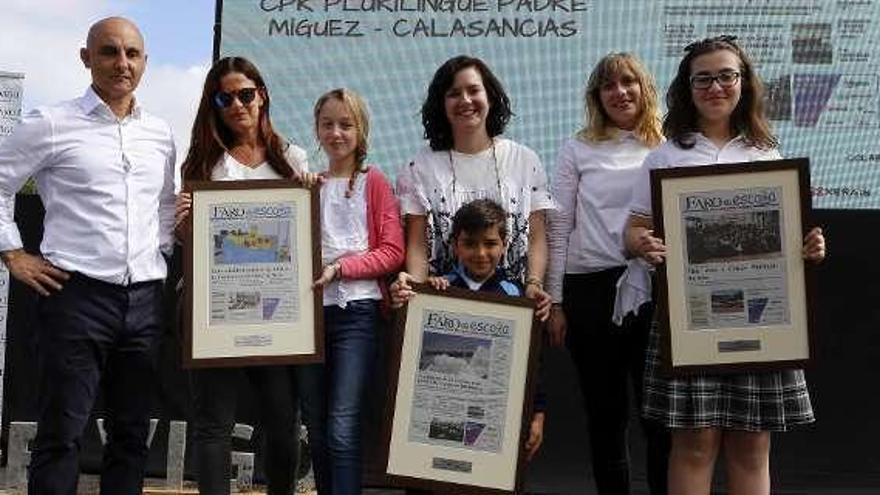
x=104 y=170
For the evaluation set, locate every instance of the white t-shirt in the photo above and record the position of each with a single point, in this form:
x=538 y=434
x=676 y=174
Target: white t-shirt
x=228 y=168
x=437 y=183
x=592 y=185
x=704 y=152
x=344 y=233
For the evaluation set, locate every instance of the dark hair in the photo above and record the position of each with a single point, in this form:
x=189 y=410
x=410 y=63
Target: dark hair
x=211 y=137
x=438 y=131
x=748 y=117
x=479 y=215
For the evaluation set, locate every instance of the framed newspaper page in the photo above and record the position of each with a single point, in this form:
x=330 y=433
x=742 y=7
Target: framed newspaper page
x=460 y=392
x=250 y=257
x=735 y=289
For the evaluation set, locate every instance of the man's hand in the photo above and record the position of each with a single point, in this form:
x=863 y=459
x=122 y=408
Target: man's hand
x=34 y=271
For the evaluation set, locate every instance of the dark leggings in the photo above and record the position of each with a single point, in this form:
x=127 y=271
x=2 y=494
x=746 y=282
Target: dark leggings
x=215 y=404
x=607 y=358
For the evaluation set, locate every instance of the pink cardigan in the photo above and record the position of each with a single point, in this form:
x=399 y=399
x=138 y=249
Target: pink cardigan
x=385 y=235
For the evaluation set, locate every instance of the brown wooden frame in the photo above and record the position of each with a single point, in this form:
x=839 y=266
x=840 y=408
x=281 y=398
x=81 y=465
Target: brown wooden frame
x=724 y=175
x=314 y=247
x=434 y=485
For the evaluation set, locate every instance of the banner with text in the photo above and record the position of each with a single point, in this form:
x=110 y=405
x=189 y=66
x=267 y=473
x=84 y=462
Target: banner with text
x=815 y=56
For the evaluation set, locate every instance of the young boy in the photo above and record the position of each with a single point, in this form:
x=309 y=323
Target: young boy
x=479 y=240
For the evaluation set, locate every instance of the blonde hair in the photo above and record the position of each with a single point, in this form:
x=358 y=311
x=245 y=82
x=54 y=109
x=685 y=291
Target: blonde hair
x=358 y=110
x=599 y=126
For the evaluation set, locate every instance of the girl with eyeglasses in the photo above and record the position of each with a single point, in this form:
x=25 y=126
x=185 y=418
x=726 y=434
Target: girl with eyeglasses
x=716 y=115
x=464 y=114
x=233 y=139
x=361 y=243
x=595 y=172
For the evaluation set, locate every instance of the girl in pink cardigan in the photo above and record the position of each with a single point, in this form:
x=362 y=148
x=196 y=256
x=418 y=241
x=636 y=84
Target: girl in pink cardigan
x=362 y=242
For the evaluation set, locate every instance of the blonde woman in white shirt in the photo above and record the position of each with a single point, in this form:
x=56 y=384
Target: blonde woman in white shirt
x=716 y=116
x=594 y=175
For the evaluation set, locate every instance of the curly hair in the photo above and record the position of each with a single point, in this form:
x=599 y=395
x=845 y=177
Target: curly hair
x=438 y=130
x=211 y=137
x=748 y=117
x=598 y=125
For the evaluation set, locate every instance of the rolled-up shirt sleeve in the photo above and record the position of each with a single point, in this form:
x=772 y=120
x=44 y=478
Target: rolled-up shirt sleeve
x=408 y=191
x=540 y=196
x=22 y=154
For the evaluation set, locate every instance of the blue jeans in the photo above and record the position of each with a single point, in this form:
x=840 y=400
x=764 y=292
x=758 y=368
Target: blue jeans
x=332 y=396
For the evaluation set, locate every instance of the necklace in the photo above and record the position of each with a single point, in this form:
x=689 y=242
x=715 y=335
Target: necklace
x=494 y=163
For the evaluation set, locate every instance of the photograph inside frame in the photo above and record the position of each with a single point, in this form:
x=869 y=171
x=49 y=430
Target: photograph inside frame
x=735 y=281
x=250 y=261
x=461 y=392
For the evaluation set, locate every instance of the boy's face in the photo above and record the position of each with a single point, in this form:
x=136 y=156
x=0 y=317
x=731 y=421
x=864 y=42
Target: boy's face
x=479 y=252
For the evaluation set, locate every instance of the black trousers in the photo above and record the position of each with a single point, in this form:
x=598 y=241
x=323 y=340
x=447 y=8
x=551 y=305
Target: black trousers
x=216 y=396
x=91 y=334
x=609 y=359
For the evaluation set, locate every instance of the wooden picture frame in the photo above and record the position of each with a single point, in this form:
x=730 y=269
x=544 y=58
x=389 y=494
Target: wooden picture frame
x=251 y=253
x=461 y=392
x=735 y=292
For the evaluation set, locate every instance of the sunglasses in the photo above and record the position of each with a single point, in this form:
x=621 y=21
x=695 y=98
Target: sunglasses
x=245 y=96
x=725 y=79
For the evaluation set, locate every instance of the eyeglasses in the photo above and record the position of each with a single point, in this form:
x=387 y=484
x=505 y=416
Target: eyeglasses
x=725 y=79
x=222 y=99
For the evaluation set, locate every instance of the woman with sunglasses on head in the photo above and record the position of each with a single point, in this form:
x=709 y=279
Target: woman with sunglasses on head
x=594 y=176
x=715 y=115
x=233 y=139
x=464 y=115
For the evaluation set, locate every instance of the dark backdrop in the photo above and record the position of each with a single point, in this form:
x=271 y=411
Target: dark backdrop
x=836 y=455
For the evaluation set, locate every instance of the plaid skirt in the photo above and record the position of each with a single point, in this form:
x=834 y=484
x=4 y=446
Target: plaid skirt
x=764 y=401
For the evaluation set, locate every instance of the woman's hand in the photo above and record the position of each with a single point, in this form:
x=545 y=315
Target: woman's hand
x=650 y=248
x=814 y=245
x=401 y=289
x=557 y=326
x=438 y=283
x=536 y=435
x=182 y=207
x=330 y=273
x=309 y=179
x=542 y=300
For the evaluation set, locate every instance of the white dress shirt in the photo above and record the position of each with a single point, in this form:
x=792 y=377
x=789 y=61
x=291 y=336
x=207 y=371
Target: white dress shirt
x=107 y=185
x=704 y=152
x=592 y=186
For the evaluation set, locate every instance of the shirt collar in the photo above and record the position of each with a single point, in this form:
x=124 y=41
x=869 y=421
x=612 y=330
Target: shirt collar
x=90 y=102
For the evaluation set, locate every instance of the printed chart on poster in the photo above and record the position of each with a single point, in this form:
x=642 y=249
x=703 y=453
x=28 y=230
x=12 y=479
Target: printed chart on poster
x=816 y=57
